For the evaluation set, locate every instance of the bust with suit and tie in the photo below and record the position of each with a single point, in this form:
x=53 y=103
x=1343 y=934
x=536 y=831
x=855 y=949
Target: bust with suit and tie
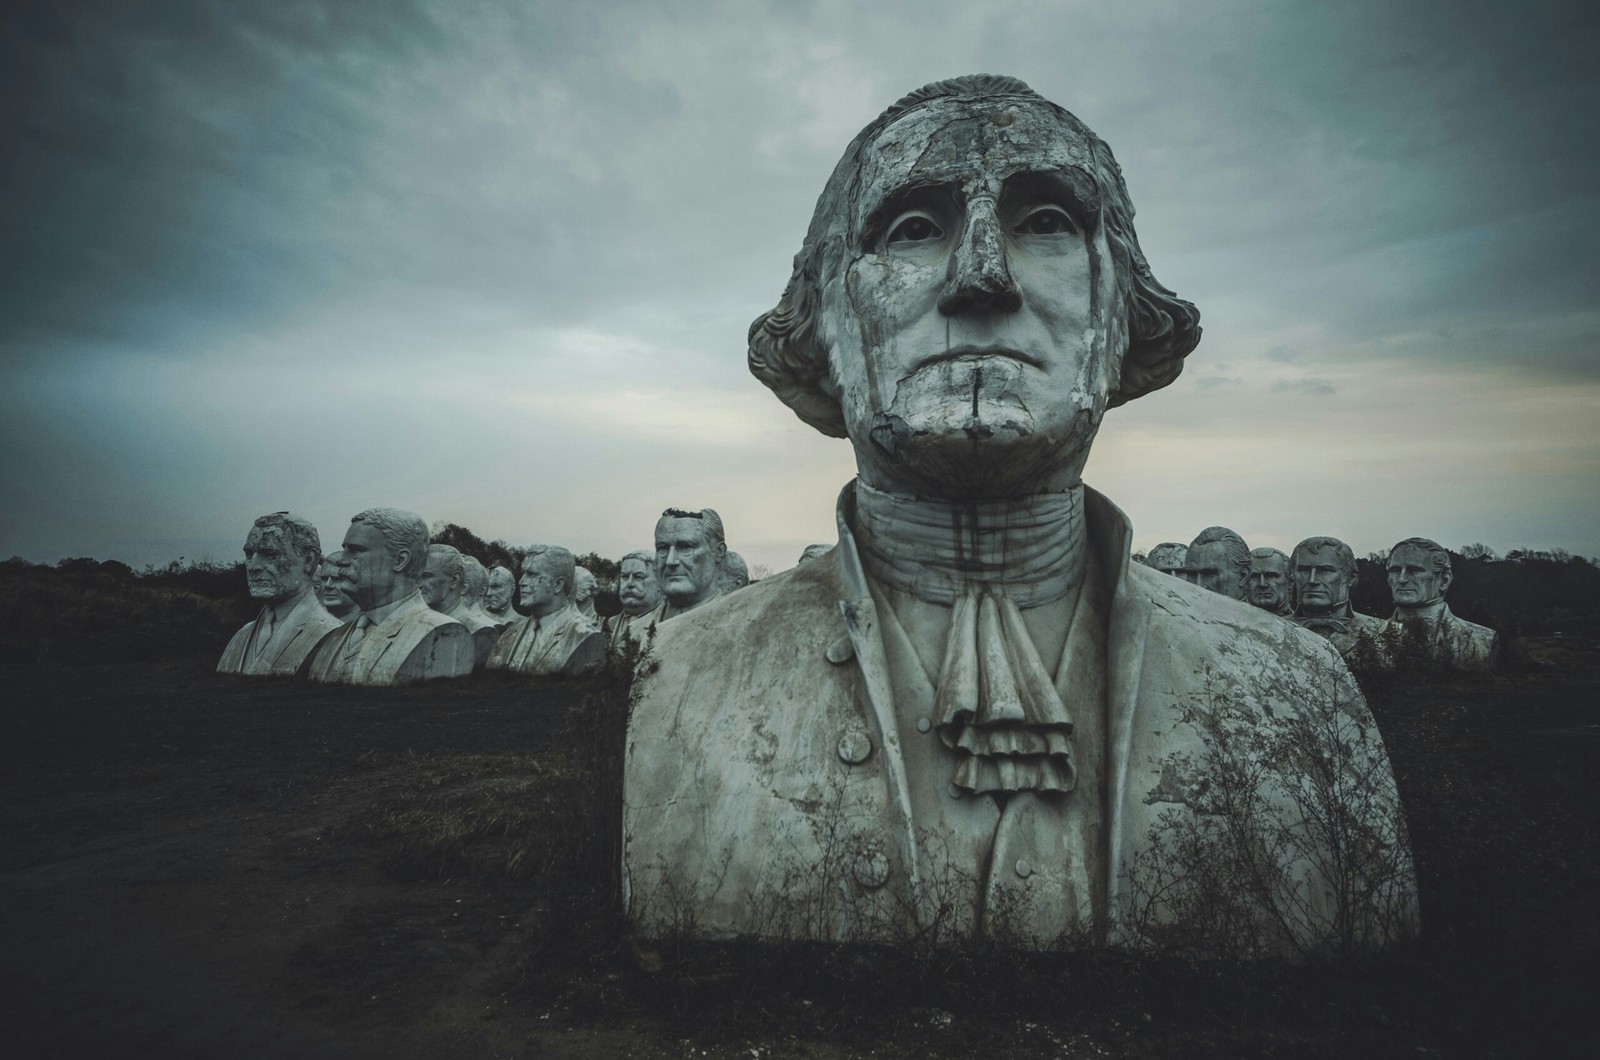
x=281 y=555
x=397 y=638
x=974 y=716
x=556 y=639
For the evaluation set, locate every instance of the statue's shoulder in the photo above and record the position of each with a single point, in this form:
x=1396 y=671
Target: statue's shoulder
x=232 y=660
x=1204 y=628
x=754 y=646
x=776 y=610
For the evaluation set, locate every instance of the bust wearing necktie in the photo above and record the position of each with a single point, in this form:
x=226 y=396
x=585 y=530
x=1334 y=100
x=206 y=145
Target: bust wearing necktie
x=281 y=554
x=974 y=715
x=556 y=639
x=397 y=638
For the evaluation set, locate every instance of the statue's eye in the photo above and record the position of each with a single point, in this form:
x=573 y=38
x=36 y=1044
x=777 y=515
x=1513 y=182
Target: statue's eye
x=1046 y=221
x=914 y=227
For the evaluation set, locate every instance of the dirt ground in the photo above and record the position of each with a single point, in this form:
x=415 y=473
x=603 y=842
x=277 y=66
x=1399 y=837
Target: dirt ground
x=200 y=866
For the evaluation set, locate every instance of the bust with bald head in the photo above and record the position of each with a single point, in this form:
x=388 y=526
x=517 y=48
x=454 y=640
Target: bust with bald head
x=397 y=638
x=281 y=555
x=982 y=686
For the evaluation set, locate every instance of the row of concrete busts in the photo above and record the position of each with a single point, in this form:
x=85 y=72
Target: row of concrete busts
x=1311 y=586
x=388 y=607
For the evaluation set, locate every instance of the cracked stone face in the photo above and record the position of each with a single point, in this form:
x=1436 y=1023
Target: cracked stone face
x=967 y=331
x=1412 y=580
x=272 y=566
x=1169 y=558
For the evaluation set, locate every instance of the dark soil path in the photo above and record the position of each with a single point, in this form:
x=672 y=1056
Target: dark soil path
x=199 y=866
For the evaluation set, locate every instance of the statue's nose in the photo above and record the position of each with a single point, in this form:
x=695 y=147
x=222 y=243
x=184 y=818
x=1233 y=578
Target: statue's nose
x=979 y=279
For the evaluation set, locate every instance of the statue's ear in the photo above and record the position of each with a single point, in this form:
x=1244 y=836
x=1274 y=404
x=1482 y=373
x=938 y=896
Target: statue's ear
x=402 y=560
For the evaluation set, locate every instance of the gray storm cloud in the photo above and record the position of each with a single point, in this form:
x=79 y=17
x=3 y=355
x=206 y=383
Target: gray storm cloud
x=495 y=263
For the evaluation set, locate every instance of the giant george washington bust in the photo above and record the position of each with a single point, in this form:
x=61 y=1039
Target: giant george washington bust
x=975 y=716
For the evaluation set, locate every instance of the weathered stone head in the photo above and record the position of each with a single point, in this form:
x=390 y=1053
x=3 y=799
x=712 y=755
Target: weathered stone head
x=333 y=587
x=384 y=553
x=971 y=297
x=1169 y=557
x=584 y=586
x=444 y=578
x=1419 y=574
x=477 y=580
x=1219 y=560
x=636 y=584
x=498 y=593
x=735 y=573
x=548 y=576
x=1271 y=585
x=690 y=548
x=281 y=555
x=1324 y=574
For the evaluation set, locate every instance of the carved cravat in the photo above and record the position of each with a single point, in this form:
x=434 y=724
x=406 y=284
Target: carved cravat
x=996 y=704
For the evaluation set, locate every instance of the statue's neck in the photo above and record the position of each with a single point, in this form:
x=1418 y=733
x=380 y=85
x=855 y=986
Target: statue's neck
x=1339 y=610
x=1030 y=548
x=281 y=607
x=1427 y=613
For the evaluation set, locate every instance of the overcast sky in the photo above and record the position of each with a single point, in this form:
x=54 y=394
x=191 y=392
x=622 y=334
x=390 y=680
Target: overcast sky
x=494 y=262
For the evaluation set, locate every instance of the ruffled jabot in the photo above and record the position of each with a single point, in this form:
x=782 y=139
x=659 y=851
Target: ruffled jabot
x=995 y=704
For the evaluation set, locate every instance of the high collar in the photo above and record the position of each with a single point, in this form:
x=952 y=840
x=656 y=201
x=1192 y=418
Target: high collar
x=1030 y=549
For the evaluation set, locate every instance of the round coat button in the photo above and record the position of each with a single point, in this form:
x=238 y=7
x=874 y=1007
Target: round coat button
x=840 y=651
x=871 y=869
x=923 y=724
x=855 y=747
x=1023 y=868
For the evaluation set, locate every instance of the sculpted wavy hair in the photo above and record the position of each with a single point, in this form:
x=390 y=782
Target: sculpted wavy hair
x=788 y=353
x=401 y=531
x=1438 y=555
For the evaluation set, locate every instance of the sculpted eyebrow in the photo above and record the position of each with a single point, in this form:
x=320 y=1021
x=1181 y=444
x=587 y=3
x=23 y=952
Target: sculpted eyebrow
x=908 y=197
x=1072 y=188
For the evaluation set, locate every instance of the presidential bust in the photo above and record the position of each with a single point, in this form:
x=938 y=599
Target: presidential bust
x=637 y=592
x=497 y=596
x=975 y=716
x=397 y=638
x=690 y=549
x=445 y=588
x=1271 y=585
x=556 y=638
x=1324 y=573
x=332 y=589
x=735 y=573
x=281 y=555
x=584 y=586
x=1169 y=557
x=1420 y=573
x=1219 y=560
